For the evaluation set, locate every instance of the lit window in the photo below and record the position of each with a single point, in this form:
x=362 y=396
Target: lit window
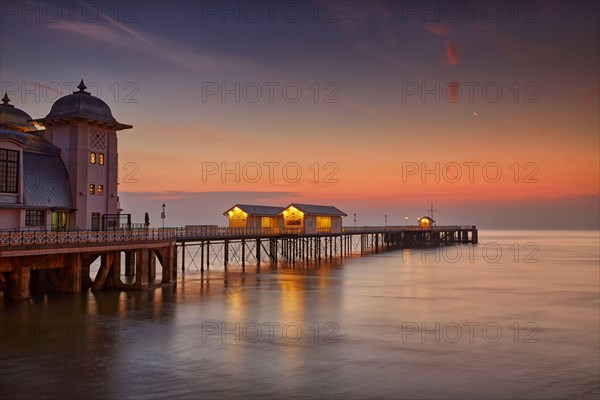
x=92 y=189
x=101 y=158
x=92 y=158
x=100 y=190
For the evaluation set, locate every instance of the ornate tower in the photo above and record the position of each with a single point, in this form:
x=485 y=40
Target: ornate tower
x=83 y=127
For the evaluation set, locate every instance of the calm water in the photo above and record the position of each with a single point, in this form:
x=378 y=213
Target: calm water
x=418 y=325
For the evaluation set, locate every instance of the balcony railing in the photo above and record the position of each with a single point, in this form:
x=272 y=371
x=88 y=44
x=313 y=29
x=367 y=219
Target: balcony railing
x=29 y=238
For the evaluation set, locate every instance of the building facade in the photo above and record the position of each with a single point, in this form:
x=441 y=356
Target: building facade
x=253 y=216
x=63 y=177
x=310 y=218
x=296 y=218
x=426 y=222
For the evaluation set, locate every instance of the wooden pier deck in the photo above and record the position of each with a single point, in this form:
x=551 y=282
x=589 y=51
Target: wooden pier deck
x=43 y=261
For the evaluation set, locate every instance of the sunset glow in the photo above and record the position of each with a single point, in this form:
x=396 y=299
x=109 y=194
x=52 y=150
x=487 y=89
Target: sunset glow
x=488 y=113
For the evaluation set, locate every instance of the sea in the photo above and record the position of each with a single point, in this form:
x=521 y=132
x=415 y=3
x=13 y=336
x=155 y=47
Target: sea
x=516 y=316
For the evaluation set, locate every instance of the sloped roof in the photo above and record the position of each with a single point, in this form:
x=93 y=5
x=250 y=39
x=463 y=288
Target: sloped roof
x=46 y=182
x=30 y=141
x=318 y=209
x=257 y=209
x=426 y=217
x=14 y=118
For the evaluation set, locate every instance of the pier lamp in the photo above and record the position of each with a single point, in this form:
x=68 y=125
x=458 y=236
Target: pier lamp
x=406 y=220
x=355 y=220
x=386 y=220
x=163 y=215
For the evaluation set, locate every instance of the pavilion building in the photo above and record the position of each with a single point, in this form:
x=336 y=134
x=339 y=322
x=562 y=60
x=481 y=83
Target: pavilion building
x=63 y=177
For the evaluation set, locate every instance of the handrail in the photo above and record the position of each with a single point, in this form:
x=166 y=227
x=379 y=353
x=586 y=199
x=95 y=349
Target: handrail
x=45 y=237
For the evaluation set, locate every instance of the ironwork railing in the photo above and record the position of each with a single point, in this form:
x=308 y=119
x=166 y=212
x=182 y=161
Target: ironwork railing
x=401 y=228
x=29 y=238
x=46 y=237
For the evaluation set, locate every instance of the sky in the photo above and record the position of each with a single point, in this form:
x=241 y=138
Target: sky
x=487 y=109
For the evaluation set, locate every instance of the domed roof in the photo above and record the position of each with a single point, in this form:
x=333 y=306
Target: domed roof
x=81 y=107
x=81 y=104
x=14 y=118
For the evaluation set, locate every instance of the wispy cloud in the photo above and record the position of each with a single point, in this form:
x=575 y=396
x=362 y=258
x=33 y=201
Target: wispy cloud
x=438 y=29
x=54 y=89
x=452 y=54
x=117 y=34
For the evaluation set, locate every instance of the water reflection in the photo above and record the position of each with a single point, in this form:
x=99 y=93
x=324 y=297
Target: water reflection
x=169 y=342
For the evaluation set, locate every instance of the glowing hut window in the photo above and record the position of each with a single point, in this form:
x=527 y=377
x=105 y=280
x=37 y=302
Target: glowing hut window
x=101 y=158
x=237 y=218
x=323 y=222
x=92 y=189
x=293 y=217
x=92 y=157
x=266 y=222
x=100 y=190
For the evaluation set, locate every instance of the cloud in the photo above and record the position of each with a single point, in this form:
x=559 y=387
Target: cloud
x=117 y=34
x=54 y=89
x=436 y=29
x=452 y=53
x=453 y=90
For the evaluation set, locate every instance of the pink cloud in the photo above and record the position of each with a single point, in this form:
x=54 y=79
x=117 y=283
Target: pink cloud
x=53 y=89
x=453 y=91
x=436 y=29
x=452 y=53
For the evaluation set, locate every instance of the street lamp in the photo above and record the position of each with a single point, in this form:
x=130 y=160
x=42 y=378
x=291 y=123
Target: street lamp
x=386 y=220
x=355 y=220
x=163 y=215
x=406 y=220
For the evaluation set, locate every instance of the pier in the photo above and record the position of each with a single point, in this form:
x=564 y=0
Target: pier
x=59 y=262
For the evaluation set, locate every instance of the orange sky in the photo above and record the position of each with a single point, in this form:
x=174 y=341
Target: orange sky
x=358 y=116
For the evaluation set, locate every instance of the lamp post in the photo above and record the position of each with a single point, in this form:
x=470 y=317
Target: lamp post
x=386 y=220
x=355 y=220
x=163 y=215
x=406 y=221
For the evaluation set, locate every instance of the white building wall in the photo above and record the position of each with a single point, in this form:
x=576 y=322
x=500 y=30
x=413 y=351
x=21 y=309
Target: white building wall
x=75 y=143
x=10 y=218
x=336 y=224
x=310 y=224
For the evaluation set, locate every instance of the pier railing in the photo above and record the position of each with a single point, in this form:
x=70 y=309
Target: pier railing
x=29 y=238
x=209 y=232
x=403 y=228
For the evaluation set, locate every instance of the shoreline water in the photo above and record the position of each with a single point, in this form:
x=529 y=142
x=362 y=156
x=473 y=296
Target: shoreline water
x=399 y=324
